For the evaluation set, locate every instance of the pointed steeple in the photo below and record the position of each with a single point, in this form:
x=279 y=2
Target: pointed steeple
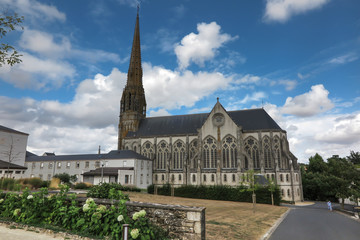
x=135 y=70
x=133 y=103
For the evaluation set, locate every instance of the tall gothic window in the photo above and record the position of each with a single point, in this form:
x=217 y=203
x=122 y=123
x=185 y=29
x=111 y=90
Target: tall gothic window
x=178 y=154
x=162 y=154
x=277 y=151
x=209 y=152
x=252 y=149
x=267 y=152
x=192 y=152
x=147 y=150
x=229 y=152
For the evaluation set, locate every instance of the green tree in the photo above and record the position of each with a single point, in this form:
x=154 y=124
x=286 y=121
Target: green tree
x=272 y=188
x=249 y=179
x=8 y=23
x=64 y=177
x=317 y=164
x=354 y=157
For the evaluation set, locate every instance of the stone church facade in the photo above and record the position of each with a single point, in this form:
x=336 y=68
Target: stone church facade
x=207 y=148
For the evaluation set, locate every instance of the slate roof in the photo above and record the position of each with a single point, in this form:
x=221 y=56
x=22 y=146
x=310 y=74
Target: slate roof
x=107 y=171
x=5 y=165
x=249 y=120
x=5 y=129
x=115 y=154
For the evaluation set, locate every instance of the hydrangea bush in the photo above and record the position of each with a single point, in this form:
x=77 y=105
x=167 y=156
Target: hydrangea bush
x=64 y=211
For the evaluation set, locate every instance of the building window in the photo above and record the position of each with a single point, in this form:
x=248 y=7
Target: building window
x=124 y=163
x=252 y=149
x=97 y=164
x=282 y=192
x=87 y=164
x=0 y=171
x=281 y=178
x=229 y=152
x=41 y=176
x=277 y=150
x=233 y=177
x=267 y=152
x=163 y=177
x=225 y=178
x=209 y=152
x=288 y=192
x=147 y=178
x=287 y=177
x=141 y=179
x=193 y=178
x=148 y=165
x=179 y=177
x=142 y=165
x=50 y=165
x=193 y=149
x=272 y=177
x=49 y=177
x=17 y=172
x=172 y=178
x=147 y=150
x=213 y=177
x=134 y=148
x=204 y=178
x=68 y=164
x=59 y=165
x=42 y=165
x=178 y=154
x=126 y=179
x=162 y=155
x=33 y=165
x=156 y=177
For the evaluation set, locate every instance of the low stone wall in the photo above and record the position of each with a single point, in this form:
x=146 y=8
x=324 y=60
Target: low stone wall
x=181 y=222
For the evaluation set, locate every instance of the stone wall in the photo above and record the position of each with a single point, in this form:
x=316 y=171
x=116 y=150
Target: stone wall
x=181 y=222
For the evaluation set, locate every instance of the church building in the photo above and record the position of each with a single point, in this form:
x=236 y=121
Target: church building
x=215 y=148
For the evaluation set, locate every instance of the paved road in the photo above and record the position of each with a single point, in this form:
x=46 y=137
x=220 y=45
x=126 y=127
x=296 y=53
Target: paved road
x=316 y=222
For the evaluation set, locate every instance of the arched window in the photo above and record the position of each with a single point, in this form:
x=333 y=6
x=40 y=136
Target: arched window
x=267 y=152
x=212 y=177
x=163 y=177
x=172 y=178
x=204 y=178
x=162 y=154
x=229 y=152
x=134 y=148
x=281 y=178
x=147 y=150
x=193 y=148
x=288 y=192
x=282 y=192
x=277 y=150
x=225 y=178
x=209 y=152
x=193 y=178
x=287 y=177
x=252 y=149
x=178 y=154
x=233 y=178
x=179 y=177
x=156 y=177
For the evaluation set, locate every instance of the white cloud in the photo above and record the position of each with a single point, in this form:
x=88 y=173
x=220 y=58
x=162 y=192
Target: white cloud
x=256 y=96
x=350 y=57
x=172 y=89
x=159 y=112
x=201 y=47
x=248 y=79
x=289 y=84
x=308 y=104
x=35 y=10
x=283 y=10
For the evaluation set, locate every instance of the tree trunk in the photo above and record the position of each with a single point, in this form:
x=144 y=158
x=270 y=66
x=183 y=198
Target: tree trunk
x=254 y=201
x=272 y=198
x=342 y=203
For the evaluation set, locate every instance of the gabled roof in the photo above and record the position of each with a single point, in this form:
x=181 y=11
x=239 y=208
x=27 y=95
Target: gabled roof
x=5 y=165
x=115 y=154
x=9 y=130
x=249 y=120
x=107 y=171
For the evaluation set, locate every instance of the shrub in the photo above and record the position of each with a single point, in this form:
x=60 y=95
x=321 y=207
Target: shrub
x=64 y=177
x=7 y=183
x=220 y=192
x=102 y=190
x=81 y=186
x=35 y=182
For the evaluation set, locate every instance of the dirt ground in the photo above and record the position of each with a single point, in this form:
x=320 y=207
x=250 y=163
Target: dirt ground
x=224 y=219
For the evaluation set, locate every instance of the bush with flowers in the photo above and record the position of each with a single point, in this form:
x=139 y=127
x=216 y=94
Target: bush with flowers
x=63 y=210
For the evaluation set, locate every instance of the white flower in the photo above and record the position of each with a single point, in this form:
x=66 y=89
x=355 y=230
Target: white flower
x=101 y=209
x=1 y=200
x=86 y=207
x=120 y=218
x=89 y=200
x=30 y=197
x=136 y=215
x=134 y=233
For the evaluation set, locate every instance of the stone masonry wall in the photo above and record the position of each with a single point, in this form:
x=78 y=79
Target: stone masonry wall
x=181 y=222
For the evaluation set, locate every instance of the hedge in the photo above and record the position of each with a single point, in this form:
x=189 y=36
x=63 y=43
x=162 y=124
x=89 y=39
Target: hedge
x=220 y=192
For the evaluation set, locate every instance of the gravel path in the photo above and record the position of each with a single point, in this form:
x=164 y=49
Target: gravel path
x=20 y=234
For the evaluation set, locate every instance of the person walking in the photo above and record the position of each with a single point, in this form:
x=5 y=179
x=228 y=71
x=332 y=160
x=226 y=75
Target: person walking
x=329 y=205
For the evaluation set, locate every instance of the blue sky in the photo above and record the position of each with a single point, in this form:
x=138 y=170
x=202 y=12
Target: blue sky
x=299 y=59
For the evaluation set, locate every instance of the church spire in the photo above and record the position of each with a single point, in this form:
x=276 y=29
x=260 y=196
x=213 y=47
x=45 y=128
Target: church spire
x=133 y=103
